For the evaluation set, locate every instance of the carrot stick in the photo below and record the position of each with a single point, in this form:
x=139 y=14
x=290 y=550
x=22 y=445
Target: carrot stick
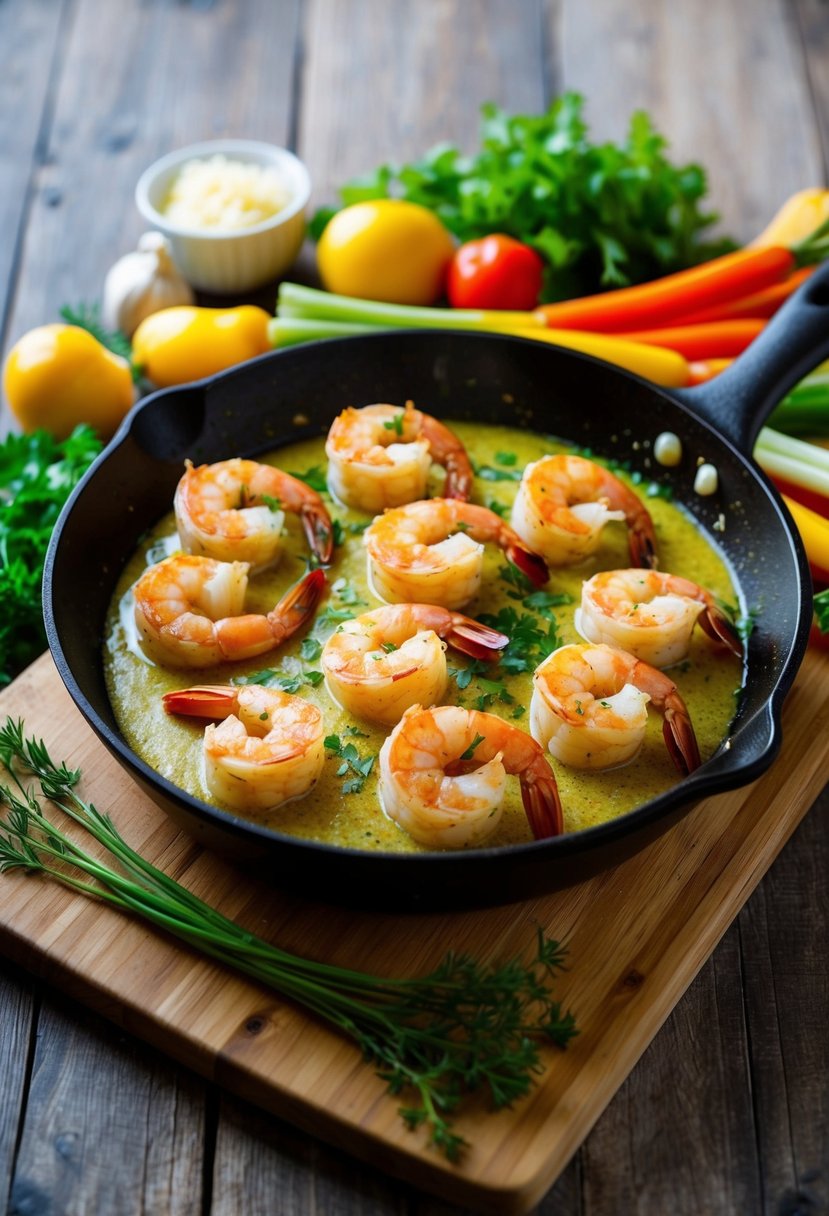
x=761 y=304
x=661 y=301
x=715 y=340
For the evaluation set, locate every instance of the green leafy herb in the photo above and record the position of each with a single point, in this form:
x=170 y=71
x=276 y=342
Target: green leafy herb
x=487 y=472
x=465 y=1027
x=274 y=503
x=395 y=423
x=338 y=533
x=498 y=507
x=507 y=459
x=313 y=477
x=470 y=751
x=347 y=594
x=530 y=639
x=359 y=766
x=271 y=677
x=601 y=215
x=822 y=610
x=37 y=475
x=310 y=649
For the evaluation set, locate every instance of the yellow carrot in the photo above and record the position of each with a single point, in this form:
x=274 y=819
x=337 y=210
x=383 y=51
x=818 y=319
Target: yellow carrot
x=814 y=532
x=655 y=363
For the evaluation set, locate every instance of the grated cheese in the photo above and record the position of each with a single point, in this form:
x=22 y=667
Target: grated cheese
x=224 y=195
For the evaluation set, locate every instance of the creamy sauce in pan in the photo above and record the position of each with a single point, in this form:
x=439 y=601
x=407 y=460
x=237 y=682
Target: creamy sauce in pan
x=709 y=680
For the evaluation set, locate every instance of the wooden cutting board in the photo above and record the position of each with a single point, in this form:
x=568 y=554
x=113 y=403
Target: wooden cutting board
x=637 y=935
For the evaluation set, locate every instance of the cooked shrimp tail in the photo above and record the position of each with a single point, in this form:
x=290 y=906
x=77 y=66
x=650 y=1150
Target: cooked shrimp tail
x=651 y=614
x=589 y=708
x=679 y=736
x=720 y=626
x=542 y=803
x=472 y=638
x=234 y=510
x=378 y=664
x=269 y=748
x=530 y=564
x=447 y=449
x=202 y=701
x=319 y=531
x=299 y=603
x=443 y=776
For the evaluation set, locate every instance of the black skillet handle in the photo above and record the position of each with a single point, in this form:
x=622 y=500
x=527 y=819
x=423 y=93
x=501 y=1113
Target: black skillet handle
x=738 y=400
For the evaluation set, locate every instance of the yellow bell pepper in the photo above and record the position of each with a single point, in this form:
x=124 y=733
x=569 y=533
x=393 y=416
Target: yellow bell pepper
x=798 y=218
x=57 y=376
x=186 y=343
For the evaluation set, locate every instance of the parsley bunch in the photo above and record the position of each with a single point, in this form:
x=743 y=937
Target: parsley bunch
x=466 y=1026
x=601 y=215
x=37 y=474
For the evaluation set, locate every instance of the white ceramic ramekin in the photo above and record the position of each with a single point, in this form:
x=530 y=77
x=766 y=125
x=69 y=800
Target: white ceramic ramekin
x=229 y=262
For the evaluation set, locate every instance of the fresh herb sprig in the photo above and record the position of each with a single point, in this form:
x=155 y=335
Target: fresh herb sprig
x=464 y=1027
x=601 y=215
x=821 y=604
x=37 y=475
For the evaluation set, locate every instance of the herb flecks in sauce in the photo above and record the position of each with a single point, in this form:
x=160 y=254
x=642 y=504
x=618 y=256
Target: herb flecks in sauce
x=536 y=619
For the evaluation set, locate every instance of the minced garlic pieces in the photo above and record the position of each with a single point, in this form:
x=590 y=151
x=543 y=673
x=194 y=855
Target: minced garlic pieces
x=224 y=195
x=707 y=480
x=667 y=449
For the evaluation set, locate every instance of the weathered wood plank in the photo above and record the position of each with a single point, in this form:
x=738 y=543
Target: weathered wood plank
x=29 y=53
x=726 y=83
x=110 y=1128
x=784 y=933
x=814 y=28
x=17 y=1017
x=170 y=75
x=384 y=81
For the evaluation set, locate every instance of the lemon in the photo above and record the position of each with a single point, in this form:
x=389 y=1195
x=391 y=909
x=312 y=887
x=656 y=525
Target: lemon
x=385 y=249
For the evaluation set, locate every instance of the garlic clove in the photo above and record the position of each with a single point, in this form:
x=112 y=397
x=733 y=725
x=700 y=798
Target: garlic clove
x=141 y=283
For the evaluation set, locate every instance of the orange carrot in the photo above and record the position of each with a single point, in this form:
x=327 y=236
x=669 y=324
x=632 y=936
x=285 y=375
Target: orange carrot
x=659 y=302
x=761 y=304
x=716 y=340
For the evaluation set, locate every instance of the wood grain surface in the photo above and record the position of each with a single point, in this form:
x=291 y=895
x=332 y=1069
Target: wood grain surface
x=639 y=932
x=726 y=1112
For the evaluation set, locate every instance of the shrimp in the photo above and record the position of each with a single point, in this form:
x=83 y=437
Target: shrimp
x=188 y=611
x=235 y=510
x=651 y=615
x=563 y=502
x=380 y=456
x=432 y=552
x=268 y=750
x=380 y=663
x=443 y=776
x=589 y=708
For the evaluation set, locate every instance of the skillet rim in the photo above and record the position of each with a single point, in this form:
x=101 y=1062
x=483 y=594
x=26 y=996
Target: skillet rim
x=688 y=790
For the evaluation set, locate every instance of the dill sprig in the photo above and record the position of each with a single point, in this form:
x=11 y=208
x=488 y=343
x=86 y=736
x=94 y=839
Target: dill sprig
x=433 y=1039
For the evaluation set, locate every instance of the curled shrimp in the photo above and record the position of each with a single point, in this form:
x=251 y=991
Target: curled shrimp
x=443 y=776
x=234 y=511
x=651 y=615
x=432 y=552
x=380 y=663
x=562 y=504
x=589 y=708
x=379 y=456
x=267 y=750
x=189 y=612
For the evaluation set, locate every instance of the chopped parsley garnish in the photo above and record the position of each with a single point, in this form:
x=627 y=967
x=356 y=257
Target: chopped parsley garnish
x=272 y=677
x=470 y=751
x=274 y=503
x=497 y=507
x=487 y=472
x=395 y=423
x=313 y=477
x=337 y=532
x=507 y=459
x=822 y=610
x=351 y=762
x=310 y=649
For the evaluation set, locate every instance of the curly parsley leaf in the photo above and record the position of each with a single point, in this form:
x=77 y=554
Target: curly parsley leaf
x=601 y=215
x=37 y=475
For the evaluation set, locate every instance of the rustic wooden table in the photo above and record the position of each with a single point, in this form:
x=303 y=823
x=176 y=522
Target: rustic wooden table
x=728 y=1111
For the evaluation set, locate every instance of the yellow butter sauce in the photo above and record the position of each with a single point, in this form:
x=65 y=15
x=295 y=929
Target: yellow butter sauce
x=708 y=681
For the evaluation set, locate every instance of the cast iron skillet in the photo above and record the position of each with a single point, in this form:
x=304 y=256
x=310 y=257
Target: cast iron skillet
x=296 y=393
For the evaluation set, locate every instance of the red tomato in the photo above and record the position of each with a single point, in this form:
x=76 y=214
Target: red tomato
x=495 y=272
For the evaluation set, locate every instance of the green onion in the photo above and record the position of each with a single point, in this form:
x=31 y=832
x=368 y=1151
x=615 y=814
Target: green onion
x=801 y=464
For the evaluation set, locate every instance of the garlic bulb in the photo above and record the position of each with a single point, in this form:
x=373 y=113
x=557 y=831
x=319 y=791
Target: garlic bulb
x=142 y=283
